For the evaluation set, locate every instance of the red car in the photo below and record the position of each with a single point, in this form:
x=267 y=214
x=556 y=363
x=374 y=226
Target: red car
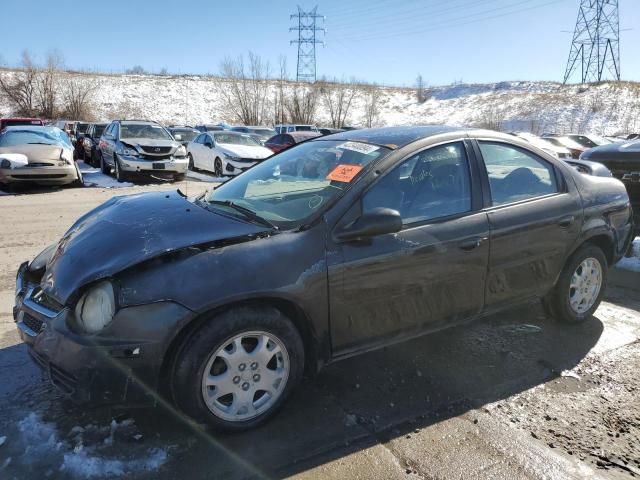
x=11 y=122
x=279 y=142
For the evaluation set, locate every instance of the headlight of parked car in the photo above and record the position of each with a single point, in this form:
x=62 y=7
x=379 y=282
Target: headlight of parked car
x=181 y=151
x=96 y=308
x=232 y=157
x=130 y=152
x=40 y=262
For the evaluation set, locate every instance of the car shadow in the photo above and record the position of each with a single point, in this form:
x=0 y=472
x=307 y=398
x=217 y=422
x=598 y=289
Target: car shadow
x=356 y=403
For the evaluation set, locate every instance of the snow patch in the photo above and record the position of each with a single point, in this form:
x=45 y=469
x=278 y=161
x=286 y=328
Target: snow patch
x=85 y=452
x=632 y=263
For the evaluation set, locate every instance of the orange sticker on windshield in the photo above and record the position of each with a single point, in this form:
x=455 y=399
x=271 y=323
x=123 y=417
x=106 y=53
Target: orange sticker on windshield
x=344 y=173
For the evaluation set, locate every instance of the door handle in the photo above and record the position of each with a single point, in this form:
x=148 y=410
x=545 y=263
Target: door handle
x=566 y=221
x=472 y=243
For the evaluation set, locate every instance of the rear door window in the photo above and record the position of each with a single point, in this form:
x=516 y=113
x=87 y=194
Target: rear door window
x=516 y=174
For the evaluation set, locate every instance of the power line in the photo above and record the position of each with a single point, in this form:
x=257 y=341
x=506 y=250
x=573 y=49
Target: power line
x=453 y=22
x=596 y=42
x=307 y=40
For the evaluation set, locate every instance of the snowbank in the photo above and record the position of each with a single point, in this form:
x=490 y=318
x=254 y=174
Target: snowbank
x=632 y=263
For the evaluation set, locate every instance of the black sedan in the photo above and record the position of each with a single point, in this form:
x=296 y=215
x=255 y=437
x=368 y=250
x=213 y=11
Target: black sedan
x=89 y=143
x=331 y=248
x=623 y=159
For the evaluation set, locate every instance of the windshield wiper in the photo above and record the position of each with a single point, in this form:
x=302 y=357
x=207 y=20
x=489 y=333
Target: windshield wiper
x=247 y=212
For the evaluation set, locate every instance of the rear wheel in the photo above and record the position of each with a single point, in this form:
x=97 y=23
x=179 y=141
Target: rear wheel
x=580 y=287
x=217 y=166
x=238 y=368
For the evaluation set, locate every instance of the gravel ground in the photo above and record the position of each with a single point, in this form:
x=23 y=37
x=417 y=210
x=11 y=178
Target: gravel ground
x=514 y=396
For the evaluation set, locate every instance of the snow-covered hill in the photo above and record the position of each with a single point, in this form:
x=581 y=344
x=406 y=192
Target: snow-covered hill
x=608 y=108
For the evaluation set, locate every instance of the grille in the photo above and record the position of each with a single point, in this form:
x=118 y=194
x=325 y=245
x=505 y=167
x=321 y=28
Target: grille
x=33 y=323
x=39 y=177
x=156 y=150
x=156 y=157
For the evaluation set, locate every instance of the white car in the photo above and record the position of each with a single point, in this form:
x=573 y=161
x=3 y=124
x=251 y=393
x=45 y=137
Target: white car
x=557 y=151
x=225 y=153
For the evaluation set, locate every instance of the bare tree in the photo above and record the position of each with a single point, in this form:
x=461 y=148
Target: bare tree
x=420 y=95
x=244 y=89
x=372 y=94
x=48 y=83
x=136 y=70
x=20 y=88
x=301 y=103
x=77 y=96
x=279 y=98
x=337 y=98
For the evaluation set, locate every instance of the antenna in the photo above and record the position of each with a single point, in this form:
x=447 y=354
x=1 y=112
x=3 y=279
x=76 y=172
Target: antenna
x=307 y=39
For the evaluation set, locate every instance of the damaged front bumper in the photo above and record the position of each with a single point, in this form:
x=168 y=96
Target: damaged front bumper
x=175 y=165
x=120 y=365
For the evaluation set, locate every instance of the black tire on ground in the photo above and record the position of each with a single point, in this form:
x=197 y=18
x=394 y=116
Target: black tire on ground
x=103 y=165
x=557 y=302
x=192 y=165
x=195 y=352
x=217 y=167
x=179 y=177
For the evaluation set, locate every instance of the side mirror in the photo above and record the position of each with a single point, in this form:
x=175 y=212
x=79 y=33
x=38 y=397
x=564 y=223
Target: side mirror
x=378 y=221
x=208 y=145
x=177 y=137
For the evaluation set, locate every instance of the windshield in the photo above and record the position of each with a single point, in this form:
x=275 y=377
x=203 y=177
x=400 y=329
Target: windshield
x=82 y=128
x=231 y=139
x=133 y=130
x=290 y=187
x=11 y=138
x=186 y=135
x=99 y=130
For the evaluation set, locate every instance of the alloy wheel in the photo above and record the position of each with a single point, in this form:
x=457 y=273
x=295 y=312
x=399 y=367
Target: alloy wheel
x=245 y=376
x=218 y=168
x=585 y=285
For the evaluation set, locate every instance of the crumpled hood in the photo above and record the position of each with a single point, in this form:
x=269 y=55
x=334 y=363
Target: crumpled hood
x=125 y=231
x=245 y=151
x=40 y=153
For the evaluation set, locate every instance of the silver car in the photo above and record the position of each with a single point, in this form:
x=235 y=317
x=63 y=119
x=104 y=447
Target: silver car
x=137 y=147
x=36 y=154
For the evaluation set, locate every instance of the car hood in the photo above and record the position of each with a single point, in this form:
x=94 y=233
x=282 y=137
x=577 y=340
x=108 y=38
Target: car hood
x=40 y=153
x=612 y=152
x=245 y=151
x=149 y=142
x=126 y=231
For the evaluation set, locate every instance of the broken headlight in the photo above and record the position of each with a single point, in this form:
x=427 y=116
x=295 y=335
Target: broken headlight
x=96 y=308
x=181 y=151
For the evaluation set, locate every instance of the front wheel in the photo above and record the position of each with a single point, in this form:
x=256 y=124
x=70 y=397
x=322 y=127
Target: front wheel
x=192 y=165
x=217 y=167
x=238 y=368
x=580 y=287
x=118 y=173
x=103 y=165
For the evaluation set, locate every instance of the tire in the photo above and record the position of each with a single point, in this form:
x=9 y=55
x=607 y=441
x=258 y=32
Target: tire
x=217 y=167
x=563 y=302
x=117 y=171
x=192 y=165
x=238 y=328
x=103 y=165
x=179 y=177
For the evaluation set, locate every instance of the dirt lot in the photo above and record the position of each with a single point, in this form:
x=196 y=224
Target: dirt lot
x=515 y=396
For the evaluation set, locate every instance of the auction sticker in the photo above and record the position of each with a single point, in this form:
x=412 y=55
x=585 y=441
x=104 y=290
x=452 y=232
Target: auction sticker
x=359 y=147
x=344 y=173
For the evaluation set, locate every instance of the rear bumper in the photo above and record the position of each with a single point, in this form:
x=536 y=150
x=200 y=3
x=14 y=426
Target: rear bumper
x=40 y=175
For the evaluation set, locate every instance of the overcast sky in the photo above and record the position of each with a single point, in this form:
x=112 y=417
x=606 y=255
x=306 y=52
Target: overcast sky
x=384 y=41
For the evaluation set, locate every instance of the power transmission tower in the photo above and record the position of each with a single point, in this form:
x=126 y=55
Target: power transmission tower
x=596 y=42
x=307 y=39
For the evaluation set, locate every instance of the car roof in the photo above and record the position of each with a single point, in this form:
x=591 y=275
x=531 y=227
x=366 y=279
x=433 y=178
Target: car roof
x=303 y=134
x=35 y=128
x=137 y=122
x=393 y=137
